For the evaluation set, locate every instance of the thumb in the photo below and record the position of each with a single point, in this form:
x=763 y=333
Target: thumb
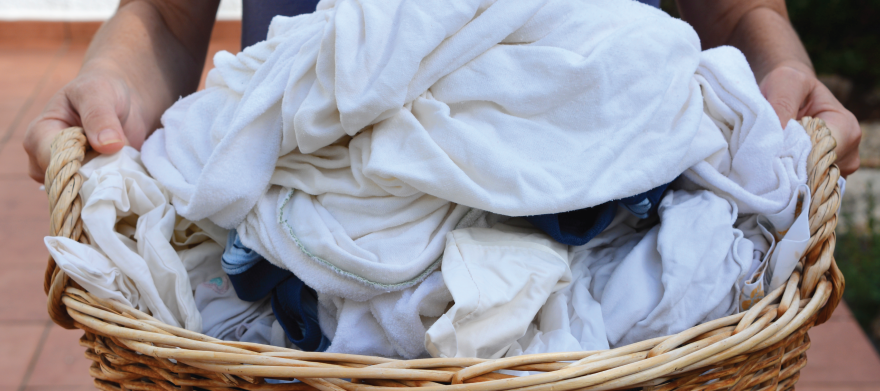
x=786 y=89
x=101 y=123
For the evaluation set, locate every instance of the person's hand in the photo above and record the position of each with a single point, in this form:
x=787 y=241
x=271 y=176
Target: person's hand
x=100 y=101
x=794 y=93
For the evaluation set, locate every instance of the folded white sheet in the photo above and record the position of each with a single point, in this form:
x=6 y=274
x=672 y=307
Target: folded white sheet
x=128 y=216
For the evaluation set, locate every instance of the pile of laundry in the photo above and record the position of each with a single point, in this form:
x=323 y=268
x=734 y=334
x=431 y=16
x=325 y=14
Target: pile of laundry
x=466 y=178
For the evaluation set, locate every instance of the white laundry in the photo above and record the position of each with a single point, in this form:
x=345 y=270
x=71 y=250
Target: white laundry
x=499 y=278
x=130 y=221
x=784 y=244
x=345 y=153
x=93 y=271
x=229 y=318
x=390 y=325
x=198 y=250
x=427 y=115
x=761 y=164
x=635 y=281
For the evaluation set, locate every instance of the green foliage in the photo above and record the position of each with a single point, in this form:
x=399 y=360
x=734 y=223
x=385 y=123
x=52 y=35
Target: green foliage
x=842 y=36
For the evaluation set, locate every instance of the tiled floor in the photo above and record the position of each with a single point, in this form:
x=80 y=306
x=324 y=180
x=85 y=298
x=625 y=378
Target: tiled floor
x=37 y=355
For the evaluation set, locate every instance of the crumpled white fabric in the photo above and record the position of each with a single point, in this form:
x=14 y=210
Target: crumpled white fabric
x=390 y=325
x=495 y=106
x=93 y=270
x=198 y=249
x=779 y=244
x=633 y=282
x=499 y=278
x=130 y=221
x=760 y=165
x=485 y=82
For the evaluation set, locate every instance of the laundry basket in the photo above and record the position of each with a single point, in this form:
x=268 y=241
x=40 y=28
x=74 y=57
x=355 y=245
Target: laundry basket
x=763 y=348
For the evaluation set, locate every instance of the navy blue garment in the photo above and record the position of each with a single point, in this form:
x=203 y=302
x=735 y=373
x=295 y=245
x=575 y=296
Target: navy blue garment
x=296 y=307
x=295 y=304
x=577 y=227
x=257 y=14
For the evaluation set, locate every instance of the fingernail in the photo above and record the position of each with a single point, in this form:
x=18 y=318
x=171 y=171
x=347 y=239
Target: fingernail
x=108 y=136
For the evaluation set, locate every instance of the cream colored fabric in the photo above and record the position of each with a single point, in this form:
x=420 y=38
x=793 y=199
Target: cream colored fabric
x=499 y=278
x=128 y=217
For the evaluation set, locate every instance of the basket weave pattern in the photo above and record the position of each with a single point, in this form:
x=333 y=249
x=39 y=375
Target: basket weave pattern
x=763 y=348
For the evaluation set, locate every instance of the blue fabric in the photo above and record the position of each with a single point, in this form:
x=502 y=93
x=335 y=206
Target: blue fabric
x=296 y=307
x=257 y=14
x=236 y=257
x=295 y=304
x=258 y=281
x=577 y=227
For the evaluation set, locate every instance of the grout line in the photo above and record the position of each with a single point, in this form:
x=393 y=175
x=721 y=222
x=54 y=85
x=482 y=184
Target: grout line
x=33 y=363
x=22 y=322
x=36 y=92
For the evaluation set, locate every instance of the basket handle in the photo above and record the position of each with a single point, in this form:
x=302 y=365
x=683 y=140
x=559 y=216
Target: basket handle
x=63 y=183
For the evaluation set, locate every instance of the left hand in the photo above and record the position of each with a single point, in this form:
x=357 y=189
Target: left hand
x=795 y=92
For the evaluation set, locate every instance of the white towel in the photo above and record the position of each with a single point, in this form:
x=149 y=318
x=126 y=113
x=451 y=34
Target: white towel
x=129 y=218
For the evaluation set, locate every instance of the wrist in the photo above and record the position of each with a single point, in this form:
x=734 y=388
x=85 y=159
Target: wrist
x=768 y=41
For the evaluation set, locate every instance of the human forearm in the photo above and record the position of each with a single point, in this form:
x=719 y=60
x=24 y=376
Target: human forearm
x=145 y=57
x=759 y=28
x=762 y=31
x=158 y=48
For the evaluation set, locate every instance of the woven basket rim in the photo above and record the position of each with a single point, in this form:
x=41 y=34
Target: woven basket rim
x=773 y=328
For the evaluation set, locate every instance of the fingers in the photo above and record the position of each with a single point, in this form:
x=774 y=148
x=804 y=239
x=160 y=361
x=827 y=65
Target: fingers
x=97 y=102
x=787 y=89
x=99 y=108
x=844 y=126
x=56 y=117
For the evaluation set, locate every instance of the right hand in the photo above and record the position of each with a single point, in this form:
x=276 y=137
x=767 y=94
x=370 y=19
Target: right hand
x=100 y=101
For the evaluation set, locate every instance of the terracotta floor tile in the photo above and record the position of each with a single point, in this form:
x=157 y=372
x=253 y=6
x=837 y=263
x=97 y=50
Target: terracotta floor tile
x=22 y=246
x=842 y=314
x=230 y=45
x=18 y=343
x=13 y=160
x=62 y=72
x=21 y=198
x=801 y=386
x=840 y=353
x=22 y=293
x=61 y=362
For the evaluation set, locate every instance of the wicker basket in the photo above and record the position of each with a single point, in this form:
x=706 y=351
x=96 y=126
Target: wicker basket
x=763 y=348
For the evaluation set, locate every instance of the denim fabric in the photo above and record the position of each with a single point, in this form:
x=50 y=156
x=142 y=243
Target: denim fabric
x=296 y=307
x=295 y=304
x=236 y=257
x=257 y=14
x=577 y=227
